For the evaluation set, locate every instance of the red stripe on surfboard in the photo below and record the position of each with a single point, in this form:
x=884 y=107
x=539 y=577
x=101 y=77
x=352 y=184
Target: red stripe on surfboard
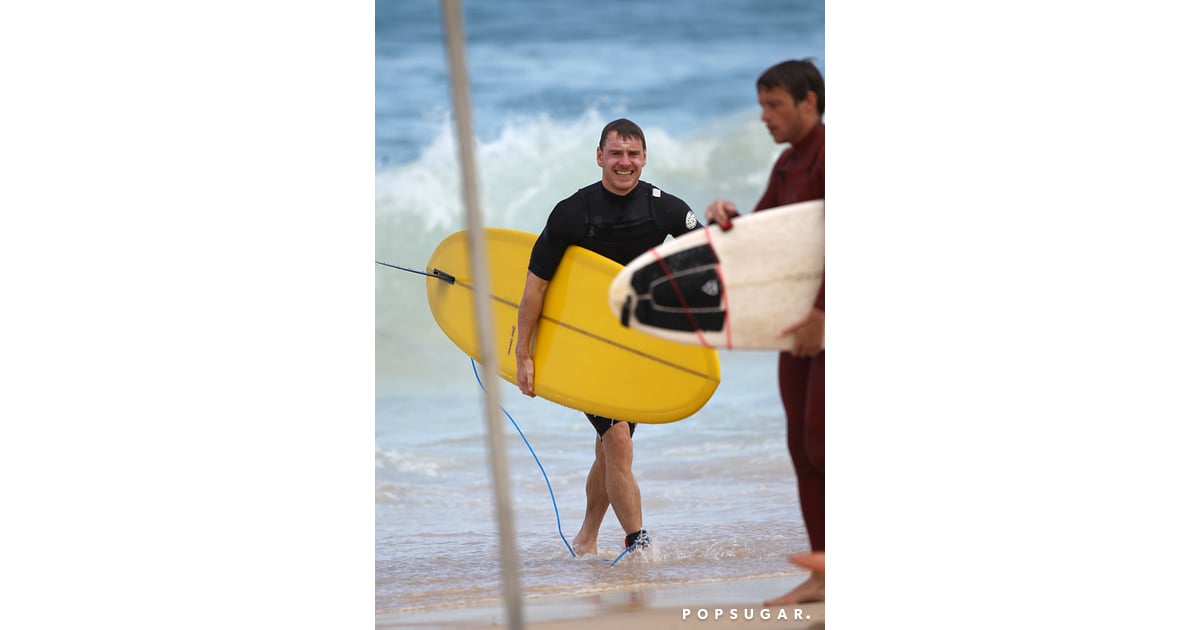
x=679 y=294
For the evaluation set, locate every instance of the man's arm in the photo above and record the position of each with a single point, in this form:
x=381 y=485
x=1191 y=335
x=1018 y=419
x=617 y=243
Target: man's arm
x=527 y=318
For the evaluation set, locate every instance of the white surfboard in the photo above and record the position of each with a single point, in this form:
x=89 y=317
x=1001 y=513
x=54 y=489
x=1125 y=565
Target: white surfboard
x=734 y=288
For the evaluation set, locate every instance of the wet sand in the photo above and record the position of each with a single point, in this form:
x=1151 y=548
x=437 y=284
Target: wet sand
x=728 y=604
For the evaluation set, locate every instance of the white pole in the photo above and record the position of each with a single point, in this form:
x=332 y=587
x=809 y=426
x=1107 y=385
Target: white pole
x=456 y=52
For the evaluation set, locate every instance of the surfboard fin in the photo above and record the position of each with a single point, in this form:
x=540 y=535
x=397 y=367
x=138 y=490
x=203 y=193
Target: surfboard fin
x=625 y=309
x=443 y=276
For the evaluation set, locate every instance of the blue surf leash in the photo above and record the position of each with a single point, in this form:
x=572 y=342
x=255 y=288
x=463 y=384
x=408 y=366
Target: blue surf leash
x=539 y=464
x=618 y=559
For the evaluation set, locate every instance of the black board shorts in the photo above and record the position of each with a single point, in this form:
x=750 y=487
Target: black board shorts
x=603 y=424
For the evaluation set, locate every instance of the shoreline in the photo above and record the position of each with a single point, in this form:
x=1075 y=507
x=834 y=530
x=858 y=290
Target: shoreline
x=716 y=604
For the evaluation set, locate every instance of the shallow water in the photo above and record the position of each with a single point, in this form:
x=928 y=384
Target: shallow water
x=718 y=495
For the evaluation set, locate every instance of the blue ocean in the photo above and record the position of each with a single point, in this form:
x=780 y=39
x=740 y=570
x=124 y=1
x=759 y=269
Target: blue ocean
x=719 y=496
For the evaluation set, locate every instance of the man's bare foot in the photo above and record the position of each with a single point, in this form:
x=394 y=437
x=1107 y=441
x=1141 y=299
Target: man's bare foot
x=584 y=547
x=810 y=590
x=814 y=562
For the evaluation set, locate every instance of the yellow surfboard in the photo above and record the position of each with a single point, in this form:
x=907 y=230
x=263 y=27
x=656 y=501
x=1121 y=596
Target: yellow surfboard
x=583 y=357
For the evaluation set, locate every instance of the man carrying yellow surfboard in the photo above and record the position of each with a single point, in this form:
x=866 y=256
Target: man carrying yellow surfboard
x=618 y=217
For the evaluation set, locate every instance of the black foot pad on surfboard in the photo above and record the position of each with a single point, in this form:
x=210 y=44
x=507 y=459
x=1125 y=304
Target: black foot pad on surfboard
x=686 y=295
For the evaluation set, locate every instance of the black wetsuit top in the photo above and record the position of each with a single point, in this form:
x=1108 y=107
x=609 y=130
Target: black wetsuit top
x=616 y=227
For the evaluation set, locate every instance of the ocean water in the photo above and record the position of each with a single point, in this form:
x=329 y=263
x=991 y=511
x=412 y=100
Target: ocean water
x=718 y=492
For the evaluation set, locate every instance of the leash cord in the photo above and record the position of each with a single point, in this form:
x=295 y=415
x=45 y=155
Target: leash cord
x=537 y=461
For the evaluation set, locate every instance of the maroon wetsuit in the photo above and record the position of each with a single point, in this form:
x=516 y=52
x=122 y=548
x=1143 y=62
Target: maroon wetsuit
x=799 y=175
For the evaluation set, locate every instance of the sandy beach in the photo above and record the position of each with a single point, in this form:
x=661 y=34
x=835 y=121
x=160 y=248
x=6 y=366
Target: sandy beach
x=717 y=604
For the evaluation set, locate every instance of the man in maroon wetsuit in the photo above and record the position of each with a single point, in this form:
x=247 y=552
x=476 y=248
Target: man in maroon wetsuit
x=792 y=96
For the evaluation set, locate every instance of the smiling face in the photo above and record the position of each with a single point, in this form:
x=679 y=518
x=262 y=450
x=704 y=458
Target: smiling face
x=621 y=160
x=787 y=120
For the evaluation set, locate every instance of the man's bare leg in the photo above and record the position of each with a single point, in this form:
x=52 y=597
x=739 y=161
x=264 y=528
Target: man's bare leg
x=623 y=491
x=810 y=590
x=597 y=505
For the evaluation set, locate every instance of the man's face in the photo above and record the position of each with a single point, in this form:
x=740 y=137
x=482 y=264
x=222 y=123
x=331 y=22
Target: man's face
x=622 y=160
x=785 y=118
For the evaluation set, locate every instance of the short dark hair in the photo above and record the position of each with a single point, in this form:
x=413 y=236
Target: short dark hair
x=625 y=128
x=798 y=78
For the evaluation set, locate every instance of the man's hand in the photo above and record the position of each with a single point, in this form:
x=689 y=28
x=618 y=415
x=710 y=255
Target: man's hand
x=525 y=374
x=719 y=212
x=808 y=334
